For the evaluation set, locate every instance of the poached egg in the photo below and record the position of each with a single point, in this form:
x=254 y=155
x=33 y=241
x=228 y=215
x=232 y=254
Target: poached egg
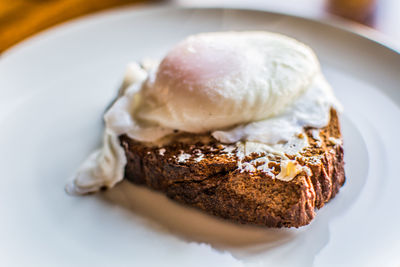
x=256 y=89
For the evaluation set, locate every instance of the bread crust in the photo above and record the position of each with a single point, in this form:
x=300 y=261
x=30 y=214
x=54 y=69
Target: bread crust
x=215 y=185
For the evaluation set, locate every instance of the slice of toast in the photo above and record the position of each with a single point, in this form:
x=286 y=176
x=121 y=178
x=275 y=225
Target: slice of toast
x=206 y=176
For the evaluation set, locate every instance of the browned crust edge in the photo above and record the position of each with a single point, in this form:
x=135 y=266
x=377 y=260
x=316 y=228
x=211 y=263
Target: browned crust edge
x=218 y=188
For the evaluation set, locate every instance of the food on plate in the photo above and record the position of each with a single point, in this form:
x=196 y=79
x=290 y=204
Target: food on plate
x=242 y=125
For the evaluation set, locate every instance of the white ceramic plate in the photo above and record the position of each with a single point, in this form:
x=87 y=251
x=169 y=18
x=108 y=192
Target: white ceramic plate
x=54 y=89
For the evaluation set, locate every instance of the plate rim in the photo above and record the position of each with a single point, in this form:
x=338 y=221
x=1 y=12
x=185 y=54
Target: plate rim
x=37 y=39
x=332 y=21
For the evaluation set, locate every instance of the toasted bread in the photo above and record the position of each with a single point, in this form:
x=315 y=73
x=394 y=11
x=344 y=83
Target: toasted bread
x=205 y=175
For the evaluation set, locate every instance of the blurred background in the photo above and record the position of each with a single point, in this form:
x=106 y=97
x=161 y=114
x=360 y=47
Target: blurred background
x=20 y=19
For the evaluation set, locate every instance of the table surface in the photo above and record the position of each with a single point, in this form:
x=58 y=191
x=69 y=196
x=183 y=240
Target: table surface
x=20 y=19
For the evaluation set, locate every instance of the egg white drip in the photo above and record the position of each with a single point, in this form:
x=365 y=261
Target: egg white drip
x=105 y=167
x=280 y=135
x=311 y=109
